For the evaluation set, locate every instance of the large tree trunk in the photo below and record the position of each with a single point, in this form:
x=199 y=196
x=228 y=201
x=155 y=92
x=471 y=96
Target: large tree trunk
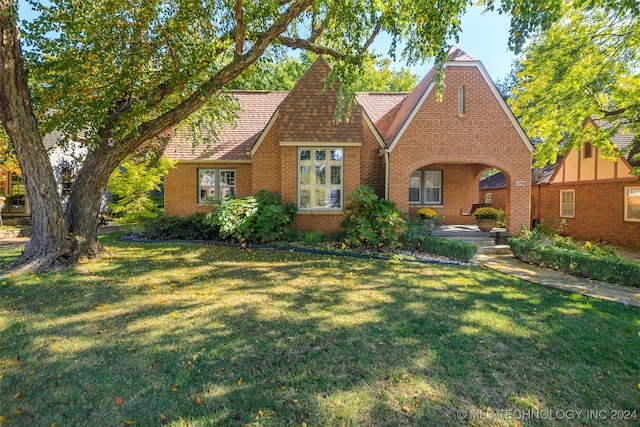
x=49 y=246
x=85 y=200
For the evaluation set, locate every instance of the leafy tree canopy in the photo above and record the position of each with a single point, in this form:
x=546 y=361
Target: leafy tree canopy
x=282 y=75
x=586 y=65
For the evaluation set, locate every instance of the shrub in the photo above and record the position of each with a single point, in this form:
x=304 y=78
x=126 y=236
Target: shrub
x=315 y=237
x=416 y=232
x=486 y=213
x=191 y=227
x=259 y=218
x=132 y=185
x=455 y=249
x=579 y=262
x=372 y=221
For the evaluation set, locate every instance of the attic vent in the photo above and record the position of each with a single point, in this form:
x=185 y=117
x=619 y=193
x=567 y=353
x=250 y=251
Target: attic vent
x=461 y=101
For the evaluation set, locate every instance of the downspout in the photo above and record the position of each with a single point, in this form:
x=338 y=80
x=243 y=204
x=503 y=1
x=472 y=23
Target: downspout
x=386 y=174
x=539 y=202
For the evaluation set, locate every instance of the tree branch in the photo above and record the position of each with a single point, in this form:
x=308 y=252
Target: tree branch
x=240 y=27
x=153 y=127
x=374 y=34
x=307 y=45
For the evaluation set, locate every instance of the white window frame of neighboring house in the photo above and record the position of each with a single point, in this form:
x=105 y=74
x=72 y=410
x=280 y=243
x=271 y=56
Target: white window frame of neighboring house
x=566 y=204
x=68 y=173
x=18 y=190
x=220 y=184
x=627 y=195
x=488 y=198
x=320 y=178
x=426 y=180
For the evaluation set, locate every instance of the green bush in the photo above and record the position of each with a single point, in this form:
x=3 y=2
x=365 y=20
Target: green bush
x=259 y=218
x=315 y=237
x=132 y=186
x=454 y=249
x=417 y=231
x=191 y=227
x=372 y=221
x=606 y=268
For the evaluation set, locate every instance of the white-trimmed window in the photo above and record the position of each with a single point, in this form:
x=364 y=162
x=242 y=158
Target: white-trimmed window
x=67 y=175
x=567 y=203
x=425 y=187
x=215 y=184
x=632 y=204
x=488 y=198
x=320 y=178
x=18 y=191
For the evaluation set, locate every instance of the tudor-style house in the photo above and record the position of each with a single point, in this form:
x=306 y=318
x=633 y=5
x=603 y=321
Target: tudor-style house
x=413 y=149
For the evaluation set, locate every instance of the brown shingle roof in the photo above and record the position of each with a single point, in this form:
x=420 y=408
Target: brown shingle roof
x=233 y=143
x=388 y=111
x=622 y=138
x=381 y=107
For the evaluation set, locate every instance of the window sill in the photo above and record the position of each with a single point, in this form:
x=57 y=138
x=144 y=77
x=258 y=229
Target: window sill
x=320 y=212
x=422 y=205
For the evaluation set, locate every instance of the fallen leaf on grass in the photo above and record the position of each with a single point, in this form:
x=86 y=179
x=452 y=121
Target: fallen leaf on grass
x=260 y=413
x=163 y=417
x=174 y=389
x=118 y=401
x=198 y=401
x=17 y=395
x=405 y=408
x=239 y=382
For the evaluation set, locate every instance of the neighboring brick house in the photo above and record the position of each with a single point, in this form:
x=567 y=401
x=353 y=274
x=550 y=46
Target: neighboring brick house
x=592 y=198
x=412 y=148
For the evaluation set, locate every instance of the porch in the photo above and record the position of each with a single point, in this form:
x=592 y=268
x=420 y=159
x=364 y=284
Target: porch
x=472 y=234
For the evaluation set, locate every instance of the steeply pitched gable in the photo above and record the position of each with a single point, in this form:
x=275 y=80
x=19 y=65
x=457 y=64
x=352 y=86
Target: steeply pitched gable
x=412 y=103
x=307 y=113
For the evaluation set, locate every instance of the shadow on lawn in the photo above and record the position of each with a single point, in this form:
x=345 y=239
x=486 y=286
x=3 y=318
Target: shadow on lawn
x=216 y=336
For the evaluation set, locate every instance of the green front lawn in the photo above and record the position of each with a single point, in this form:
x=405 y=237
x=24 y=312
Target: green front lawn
x=186 y=334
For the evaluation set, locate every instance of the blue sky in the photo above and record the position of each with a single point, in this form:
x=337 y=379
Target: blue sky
x=484 y=36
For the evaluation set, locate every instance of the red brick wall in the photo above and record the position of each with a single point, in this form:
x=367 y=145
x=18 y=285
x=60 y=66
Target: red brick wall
x=484 y=137
x=599 y=212
x=181 y=186
x=499 y=197
x=266 y=163
x=372 y=166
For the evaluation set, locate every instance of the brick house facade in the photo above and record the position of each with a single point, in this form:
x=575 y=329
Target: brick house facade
x=590 y=197
x=413 y=149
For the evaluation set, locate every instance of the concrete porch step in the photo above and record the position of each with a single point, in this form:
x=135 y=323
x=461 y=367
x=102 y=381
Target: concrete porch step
x=481 y=242
x=495 y=250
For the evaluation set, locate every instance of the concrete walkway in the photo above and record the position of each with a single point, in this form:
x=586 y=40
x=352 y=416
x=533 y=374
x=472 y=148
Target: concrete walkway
x=508 y=264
